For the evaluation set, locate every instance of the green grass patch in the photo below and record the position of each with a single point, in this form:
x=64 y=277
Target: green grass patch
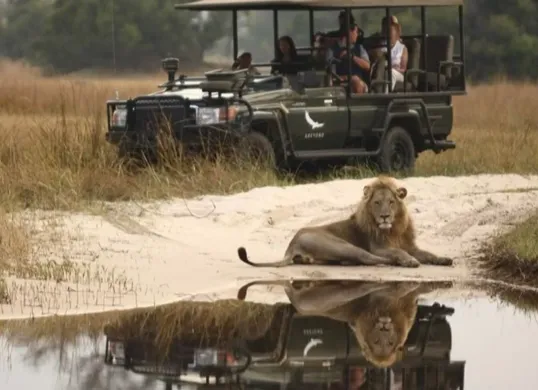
x=513 y=256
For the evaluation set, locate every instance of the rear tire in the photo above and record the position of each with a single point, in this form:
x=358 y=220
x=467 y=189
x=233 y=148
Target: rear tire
x=397 y=152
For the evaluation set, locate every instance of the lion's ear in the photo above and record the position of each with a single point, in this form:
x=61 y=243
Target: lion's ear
x=366 y=191
x=402 y=192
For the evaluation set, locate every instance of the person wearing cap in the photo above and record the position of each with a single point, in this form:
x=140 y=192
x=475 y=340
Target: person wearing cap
x=393 y=22
x=360 y=62
x=334 y=35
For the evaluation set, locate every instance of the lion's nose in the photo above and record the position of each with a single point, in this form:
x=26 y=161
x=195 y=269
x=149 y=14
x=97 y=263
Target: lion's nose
x=385 y=327
x=385 y=216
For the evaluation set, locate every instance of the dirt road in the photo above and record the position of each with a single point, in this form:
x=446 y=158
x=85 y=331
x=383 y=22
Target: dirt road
x=165 y=250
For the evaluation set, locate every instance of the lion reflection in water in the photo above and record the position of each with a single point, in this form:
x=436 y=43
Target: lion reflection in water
x=380 y=314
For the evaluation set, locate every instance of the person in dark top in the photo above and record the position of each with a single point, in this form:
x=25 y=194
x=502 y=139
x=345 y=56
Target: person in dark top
x=285 y=57
x=244 y=61
x=334 y=36
x=360 y=62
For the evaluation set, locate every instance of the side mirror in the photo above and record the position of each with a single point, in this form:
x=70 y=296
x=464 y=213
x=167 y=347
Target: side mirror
x=170 y=65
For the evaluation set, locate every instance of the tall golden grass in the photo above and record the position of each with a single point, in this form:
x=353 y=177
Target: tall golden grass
x=53 y=152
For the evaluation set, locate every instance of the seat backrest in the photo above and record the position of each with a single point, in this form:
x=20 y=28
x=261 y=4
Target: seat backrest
x=305 y=61
x=439 y=48
x=293 y=82
x=312 y=78
x=378 y=73
x=413 y=52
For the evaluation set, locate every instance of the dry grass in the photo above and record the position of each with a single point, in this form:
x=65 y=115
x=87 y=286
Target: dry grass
x=513 y=256
x=197 y=324
x=53 y=153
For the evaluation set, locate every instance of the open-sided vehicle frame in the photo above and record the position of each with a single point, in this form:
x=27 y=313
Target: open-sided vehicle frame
x=290 y=119
x=290 y=357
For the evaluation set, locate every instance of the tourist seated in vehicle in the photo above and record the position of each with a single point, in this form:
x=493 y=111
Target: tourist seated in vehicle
x=244 y=61
x=334 y=36
x=398 y=54
x=285 y=62
x=360 y=62
x=377 y=43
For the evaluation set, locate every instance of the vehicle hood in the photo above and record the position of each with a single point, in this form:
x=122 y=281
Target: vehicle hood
x=261 y=97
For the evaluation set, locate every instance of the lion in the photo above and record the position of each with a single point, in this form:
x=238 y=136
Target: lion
x=380 y=232
x=380 y=314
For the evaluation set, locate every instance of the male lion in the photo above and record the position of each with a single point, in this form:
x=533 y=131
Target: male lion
x=380 y=314
x=381 y=231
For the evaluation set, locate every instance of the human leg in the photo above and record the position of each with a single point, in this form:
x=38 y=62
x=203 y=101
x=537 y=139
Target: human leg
x=396 y=77
x=357 y=85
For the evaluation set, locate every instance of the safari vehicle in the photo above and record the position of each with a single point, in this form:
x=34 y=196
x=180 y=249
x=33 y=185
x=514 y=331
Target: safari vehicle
x=312 y=116
x=297 y=349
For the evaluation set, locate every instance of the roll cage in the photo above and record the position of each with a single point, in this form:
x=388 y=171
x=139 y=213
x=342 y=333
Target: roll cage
x=456 y=62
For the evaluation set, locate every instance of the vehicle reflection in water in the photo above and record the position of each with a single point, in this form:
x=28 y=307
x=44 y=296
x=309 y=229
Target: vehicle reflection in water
x=375 y=334
x=280 y=335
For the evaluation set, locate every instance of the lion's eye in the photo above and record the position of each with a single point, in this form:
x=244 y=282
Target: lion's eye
x=377 y=203
x=391 y=202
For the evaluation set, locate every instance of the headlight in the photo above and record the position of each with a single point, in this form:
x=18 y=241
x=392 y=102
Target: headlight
x=116 y=351
x=214 y=115
x=119 y=117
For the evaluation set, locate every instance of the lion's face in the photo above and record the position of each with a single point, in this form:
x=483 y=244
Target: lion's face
x=384 y=205
x=382 y=337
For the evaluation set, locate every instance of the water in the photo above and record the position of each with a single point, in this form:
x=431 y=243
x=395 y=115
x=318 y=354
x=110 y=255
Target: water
x=481 y=337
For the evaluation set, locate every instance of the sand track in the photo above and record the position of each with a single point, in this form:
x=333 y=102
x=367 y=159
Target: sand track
x=169 y=249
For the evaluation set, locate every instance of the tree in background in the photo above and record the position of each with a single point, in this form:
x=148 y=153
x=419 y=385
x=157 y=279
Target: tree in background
x=68 y=35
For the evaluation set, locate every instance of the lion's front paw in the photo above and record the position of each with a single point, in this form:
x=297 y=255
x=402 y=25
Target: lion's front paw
x=444 y=261
x=409 y=262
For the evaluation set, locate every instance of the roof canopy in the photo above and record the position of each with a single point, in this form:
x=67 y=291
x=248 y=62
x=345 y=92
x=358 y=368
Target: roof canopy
x=283 y=4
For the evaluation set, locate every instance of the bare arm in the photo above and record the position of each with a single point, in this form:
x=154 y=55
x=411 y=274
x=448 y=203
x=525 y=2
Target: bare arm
x=402 y=66
x=362 y=60
x=364 y=64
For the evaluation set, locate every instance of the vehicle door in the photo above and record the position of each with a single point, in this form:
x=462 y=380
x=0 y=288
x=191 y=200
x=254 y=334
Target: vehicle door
x=319 y=120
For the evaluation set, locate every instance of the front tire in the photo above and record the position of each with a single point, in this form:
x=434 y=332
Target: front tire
x=257 y=148
x=397 y=152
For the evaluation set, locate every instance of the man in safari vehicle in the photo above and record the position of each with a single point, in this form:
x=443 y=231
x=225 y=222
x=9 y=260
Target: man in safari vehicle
x=360 y=62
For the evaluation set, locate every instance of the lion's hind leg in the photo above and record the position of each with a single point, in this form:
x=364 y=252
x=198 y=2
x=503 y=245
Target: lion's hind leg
x=325 y=248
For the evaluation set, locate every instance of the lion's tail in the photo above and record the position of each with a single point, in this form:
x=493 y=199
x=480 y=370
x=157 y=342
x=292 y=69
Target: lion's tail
x=242 y=253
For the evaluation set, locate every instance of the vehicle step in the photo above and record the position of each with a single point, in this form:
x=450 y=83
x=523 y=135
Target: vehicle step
x=441 y=144
x=332 y=153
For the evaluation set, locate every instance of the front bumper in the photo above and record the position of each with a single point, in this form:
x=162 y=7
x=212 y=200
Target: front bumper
x=187 y=135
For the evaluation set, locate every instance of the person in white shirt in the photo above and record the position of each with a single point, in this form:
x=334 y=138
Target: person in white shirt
x=398 y=53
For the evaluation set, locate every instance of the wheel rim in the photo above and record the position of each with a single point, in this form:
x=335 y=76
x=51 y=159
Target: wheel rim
x=399 y=156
